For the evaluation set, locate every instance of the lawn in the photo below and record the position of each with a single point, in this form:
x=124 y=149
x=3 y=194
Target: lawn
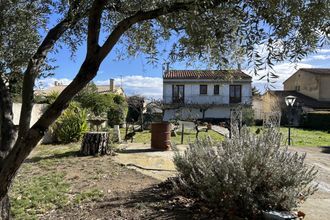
x=299 y=137
x=188 y=137
x=303 y=137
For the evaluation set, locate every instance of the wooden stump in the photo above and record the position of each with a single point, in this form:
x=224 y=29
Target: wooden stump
x=95 y=143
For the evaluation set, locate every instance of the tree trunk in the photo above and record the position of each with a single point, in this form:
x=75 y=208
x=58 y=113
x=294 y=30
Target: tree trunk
x=95 y=143
x=5 y=208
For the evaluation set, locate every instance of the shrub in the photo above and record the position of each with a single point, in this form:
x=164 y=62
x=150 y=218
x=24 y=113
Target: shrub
x=248 y=116
x=71 y=125
x=246 y=174
x=116 y=114
x=317 y=120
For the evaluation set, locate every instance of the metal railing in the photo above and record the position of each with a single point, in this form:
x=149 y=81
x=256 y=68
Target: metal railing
x=206 y=99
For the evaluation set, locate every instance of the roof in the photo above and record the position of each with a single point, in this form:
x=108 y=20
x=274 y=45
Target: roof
x=301 y=99
x=102 y=89
x=325 y=71
x=206 y=74
x=318 y=71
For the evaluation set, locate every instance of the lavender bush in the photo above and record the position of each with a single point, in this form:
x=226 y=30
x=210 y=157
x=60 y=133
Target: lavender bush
x=246 y=174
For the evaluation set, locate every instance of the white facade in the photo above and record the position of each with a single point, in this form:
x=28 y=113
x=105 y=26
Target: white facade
x=194 y=104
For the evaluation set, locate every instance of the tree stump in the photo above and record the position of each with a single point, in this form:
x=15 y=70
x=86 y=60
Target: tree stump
x=95 y=143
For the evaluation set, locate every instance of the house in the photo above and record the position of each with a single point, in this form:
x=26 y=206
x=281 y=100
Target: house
x=102 y=89
x=204 y=94
x=309 y=86
x=312 y=82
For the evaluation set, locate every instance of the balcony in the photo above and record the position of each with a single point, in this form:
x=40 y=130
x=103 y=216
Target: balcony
x=216 y=100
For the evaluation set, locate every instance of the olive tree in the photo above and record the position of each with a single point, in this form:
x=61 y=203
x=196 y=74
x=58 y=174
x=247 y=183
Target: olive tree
x=217 y=32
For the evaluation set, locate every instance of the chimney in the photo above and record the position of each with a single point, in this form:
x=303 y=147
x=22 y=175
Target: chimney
x=56 y=83
x=238 y=66
x=167 y=66
x=112 y=85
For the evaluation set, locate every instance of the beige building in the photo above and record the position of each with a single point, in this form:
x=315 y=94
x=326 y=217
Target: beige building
x=309 y=86
x=102 y=89
x=313 y=83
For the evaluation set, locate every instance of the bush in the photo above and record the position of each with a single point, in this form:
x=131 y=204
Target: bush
x=71 y=125
x=317 y=120
x=248 y=116
x=246 y=174
x=116 y=115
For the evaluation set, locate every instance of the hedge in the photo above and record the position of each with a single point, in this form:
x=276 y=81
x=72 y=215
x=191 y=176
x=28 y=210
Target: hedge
x=317 y=120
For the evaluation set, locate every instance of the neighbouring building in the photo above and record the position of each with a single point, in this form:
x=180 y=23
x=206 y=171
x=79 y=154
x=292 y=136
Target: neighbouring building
x=311 y=89
x=207 y=95
x=312 y=82
x=102 y=89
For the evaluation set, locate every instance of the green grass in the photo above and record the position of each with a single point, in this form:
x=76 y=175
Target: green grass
x=38 y=194
x=42 y=186
x=302 y=137
x=188 y=137
x=88 y=195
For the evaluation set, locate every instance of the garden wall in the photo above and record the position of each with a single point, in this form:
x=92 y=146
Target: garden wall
x=37 y=111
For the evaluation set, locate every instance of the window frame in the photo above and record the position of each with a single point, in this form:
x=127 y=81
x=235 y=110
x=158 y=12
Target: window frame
x=218 y=90
x=175 y=95
x=200 y=89
x=235 y=98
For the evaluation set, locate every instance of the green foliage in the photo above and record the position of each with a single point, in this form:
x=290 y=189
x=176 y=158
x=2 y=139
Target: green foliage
x=248 y=116
x=38 y=194
x=135 y=108
x=71 y=125
x=317 y=120
x=51 y=97
x=246 y=174
x=112 y=105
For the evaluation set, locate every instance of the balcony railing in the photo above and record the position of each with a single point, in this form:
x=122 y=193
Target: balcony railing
x=206 y=100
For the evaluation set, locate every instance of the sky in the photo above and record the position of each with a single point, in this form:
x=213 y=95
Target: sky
x=138 y=77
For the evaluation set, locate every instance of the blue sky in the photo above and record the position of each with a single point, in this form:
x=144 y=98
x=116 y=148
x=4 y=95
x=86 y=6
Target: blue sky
x=139 y=77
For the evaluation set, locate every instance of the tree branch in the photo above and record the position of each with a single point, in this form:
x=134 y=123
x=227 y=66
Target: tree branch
x=8 y=131
x=34 y=64
x=94 y=26
x=139 y=16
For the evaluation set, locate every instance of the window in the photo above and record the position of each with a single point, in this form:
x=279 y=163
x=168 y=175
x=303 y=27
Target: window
x=203 y=89
x=216 y=90
x=298 y=88
x=178 y=93
x=235 y=93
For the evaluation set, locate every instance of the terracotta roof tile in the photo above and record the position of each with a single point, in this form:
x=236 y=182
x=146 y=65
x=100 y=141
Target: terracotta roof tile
x=206 y=74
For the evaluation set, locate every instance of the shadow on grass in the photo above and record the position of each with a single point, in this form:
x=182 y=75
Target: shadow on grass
x=36 y=159
x=325 y=149
x=136 y=151
x=153 y=198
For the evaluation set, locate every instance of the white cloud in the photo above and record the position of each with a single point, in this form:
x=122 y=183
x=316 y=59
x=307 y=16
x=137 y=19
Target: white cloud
x=50 y=81
x=323 y=51
x=141 y=85
x=283 y=70
x=316 y=57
